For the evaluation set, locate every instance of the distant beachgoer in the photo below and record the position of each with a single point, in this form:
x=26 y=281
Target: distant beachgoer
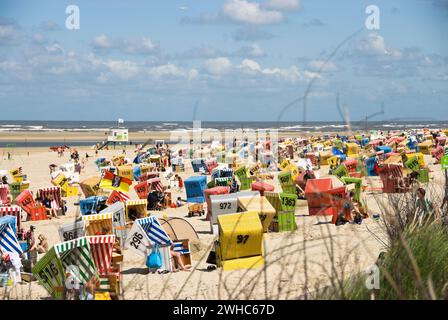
x=181 y=182
x=78 y=167
x=52 y=168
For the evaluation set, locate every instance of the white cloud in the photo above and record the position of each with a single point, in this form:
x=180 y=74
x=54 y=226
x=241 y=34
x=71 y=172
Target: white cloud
x=8 y=65
x=102 y=42
x=124 y=69
x=286 y=5
x=9 y=34
x=193 y=74
x=375 y=44
x=39 y=38
x=102 y=78
x=169 y=70
x=250 y=12
x=6 y=31
x=256 y=50
x=250 y=65
x=291 y=74
x=54 y=49
x=311 y=75
x=253 y=51
x=145 y=45
x=323 y=65
x=218 y=66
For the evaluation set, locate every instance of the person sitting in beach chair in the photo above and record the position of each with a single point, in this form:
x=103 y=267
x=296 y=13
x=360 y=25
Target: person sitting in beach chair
x=177 y=259
x=155 y=200
x=133 y=214
x=52 y=207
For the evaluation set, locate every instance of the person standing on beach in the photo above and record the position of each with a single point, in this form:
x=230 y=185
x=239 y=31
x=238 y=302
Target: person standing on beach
x=78 y=167
x=181 y=182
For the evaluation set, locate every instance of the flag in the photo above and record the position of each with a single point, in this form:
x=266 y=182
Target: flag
x=120 y=120
x=113 y=182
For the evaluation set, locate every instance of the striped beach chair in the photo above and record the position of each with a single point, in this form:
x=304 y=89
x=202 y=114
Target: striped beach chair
x=44 y=193
x=50 y=273
x=77 y=253
x=98 y=224
x=12 y=211
x=8 y=239
x=11 y=220
x=154 y=230
x=392 y=178
x=101 y=248
x=156 y=235
x=4 y=195
x=139 y=205
x=118 y=220
x=117 y=196
x=155 y=184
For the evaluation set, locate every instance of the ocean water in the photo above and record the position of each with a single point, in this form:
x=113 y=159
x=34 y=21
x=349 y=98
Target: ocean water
x=142 y=126
x=136 y=126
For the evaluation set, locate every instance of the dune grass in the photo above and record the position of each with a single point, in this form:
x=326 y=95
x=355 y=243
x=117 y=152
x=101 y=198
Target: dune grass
x=414 y=267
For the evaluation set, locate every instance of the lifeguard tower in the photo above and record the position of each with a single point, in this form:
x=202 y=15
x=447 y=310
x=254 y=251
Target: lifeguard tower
x=116 y=135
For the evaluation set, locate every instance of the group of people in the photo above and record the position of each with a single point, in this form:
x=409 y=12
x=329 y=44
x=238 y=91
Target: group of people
x=352 y=211
x=50 y=204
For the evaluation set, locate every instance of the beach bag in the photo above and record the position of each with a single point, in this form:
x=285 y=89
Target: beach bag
x=211 y=259
x=154 y=260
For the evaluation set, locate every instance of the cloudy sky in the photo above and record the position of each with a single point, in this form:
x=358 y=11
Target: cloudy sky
x=228 y=60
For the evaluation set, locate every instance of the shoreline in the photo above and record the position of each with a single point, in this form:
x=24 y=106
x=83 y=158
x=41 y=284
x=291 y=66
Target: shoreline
x=45 y=138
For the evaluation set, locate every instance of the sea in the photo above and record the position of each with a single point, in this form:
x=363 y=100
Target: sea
x=143 y=126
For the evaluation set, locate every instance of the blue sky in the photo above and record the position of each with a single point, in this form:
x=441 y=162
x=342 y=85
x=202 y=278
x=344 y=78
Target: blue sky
x=236 y=59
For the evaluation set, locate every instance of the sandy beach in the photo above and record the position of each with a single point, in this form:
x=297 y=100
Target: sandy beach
x=310 y=257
